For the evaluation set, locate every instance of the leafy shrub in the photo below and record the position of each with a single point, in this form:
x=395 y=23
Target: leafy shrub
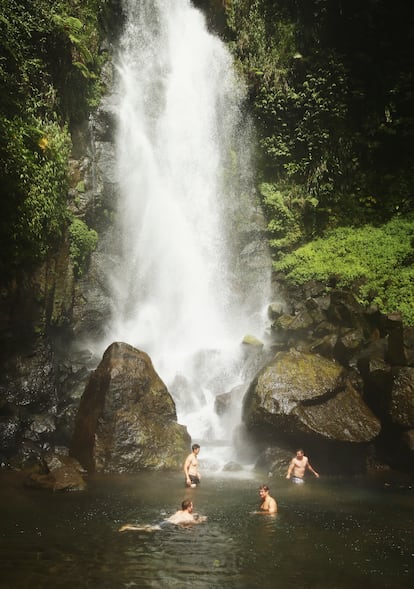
x=82 y=243
x=33 y=165
x=375 y=262
x=283 y=208
x=49 y=65
x=331 y=104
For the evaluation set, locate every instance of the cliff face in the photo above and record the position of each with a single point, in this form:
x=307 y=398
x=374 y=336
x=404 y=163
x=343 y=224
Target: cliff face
x=47 y=314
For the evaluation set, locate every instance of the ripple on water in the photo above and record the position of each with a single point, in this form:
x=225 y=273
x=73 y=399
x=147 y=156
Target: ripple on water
x=332 y=535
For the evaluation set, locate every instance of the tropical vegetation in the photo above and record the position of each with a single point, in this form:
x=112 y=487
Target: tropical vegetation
x=50 y=61
x=330 y=86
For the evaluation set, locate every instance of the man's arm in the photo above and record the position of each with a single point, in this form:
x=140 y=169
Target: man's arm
x=186 y=467
x=291 y=465
x=312 y=470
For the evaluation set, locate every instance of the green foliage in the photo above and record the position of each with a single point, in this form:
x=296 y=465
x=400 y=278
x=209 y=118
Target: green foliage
x=50 y=59
x=284 y=207
x=375 y=262
x=33 y=164
x=73 y=29
x=80 y=187
x=330 y=86
x=263 y=45
x=82 y=243
x=45 y=45
x=296 y=104
x=331 y=91
x=76 y=31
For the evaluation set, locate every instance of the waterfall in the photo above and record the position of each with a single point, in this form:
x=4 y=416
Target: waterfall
x=184 y=287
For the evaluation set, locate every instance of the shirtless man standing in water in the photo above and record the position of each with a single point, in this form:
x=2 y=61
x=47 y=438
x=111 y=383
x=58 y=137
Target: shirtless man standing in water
x=268 y=504
x=192 y=476
x=297 y=467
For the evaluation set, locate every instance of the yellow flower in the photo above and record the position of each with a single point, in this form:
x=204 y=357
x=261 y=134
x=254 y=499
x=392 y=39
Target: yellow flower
x=43 y=143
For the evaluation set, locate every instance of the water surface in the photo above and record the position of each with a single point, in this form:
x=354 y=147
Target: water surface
x=334 y=533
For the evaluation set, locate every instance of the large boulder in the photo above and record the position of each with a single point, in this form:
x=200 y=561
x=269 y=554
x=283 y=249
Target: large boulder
x=305 y=396
x=127 y=419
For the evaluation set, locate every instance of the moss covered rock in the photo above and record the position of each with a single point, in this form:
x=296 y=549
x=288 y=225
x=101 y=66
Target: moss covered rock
x=299 y=394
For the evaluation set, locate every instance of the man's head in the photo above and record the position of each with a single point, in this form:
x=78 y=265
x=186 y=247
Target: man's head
x=195 y=448
x=299 y=453
x=263 y=491
x=187 y=505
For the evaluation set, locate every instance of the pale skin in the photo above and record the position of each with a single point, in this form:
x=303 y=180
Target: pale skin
x=298 y=466
x=268 y=504
x=181 y=517
x=186 y=516
x=191 y=466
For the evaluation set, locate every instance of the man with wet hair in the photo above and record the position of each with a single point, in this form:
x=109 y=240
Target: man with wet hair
x=185 y=515
x=182 y=517
x=298 y=466
x=268 y=504
x=191 y=473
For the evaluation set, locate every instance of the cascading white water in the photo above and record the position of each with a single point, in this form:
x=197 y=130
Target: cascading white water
x=181 y=289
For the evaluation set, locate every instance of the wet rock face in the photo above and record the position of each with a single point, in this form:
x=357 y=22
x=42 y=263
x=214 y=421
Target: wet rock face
x=29 y=380
x=339 y=384
x=127 y=420
x=402 y=397
x=61 y=473
x=299 y=394
x=28 y=398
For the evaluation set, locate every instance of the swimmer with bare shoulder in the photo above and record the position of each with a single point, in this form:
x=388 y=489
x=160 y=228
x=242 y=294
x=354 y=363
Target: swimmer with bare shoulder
x=268 y=504
x=182 y=517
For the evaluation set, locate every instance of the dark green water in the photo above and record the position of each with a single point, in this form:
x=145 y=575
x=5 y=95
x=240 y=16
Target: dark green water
x=333 y=533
